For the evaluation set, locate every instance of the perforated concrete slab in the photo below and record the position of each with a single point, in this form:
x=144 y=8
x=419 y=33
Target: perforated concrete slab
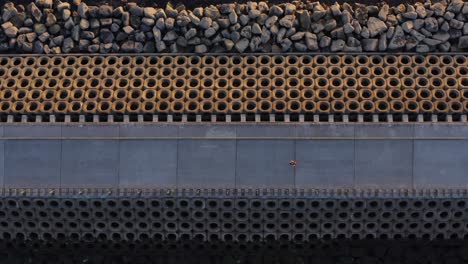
x=148 y=130
x=90 y=163
x=325 y=163
x=23 y=130
x=32 y=163
x=206 y=163
x=325 y=130
x=383 y=163
x=265 y=163
x=441 y=164
x=228 y=156
x=90 y=131
x=148 y=163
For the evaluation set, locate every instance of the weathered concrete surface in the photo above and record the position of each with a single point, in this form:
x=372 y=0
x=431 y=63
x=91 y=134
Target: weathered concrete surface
x=383 y=156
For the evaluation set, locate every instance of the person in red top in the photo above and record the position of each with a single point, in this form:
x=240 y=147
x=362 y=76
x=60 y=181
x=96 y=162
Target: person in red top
x=293 y=163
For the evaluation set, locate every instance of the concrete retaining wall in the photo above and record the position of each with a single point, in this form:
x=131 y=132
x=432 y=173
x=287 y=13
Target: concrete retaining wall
x=234 y=156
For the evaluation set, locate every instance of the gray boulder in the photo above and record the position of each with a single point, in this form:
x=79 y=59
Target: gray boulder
x=375 y=26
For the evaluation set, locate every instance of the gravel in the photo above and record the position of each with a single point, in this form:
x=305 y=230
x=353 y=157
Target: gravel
x=47 y=26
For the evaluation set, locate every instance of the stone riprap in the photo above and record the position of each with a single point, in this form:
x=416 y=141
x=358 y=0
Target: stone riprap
x=45 y=26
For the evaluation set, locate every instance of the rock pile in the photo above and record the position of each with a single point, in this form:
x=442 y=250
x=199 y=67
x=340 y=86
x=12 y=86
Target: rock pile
x=45 y=26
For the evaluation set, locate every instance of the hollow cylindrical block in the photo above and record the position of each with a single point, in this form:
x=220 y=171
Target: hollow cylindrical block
x=236 y=83
x=306 y=71
x=135 y=94
x=382 y=106
x=455 y=107
x=34 y=95
x=265 y=106
x=75 y=107
x=62 y=95
x=367 y=106
x=320 y=71
x=410 y=94
x=93 y=83
x=334 y=72
x=221 y=107
x=47 y=107
x=127 y=60
x=435 y=72
x=90 y=107
x=422 y=82
x=395 y=94
x=104 y=107
x=426 y=106
x=48 y=94
x=453 y=94
x=366 y=94
x=264 y=72
x=294 y=106
x=236 y=107
x=407 y=83
x=32 y=107
x=348 y=60
x=322 y=83
x=463 y=83
x=167 y=83
x=391 y=71
x=380 y=94
x=365 y=83
x=120 y=94
x=351 y=94
x=208 y=72
x=323 y=106
x=250 y=94
x=179 y=94
x=61 y=107
x=223 y=61
x=148 y=107
x=279 y=106
x=439 y=95
x=279 y=94
x=119 y=107
x=293 y=94
x=250 y=106
x=441 y=106
x=134 y=106
x=412 y=106
x=5 y=107
x=194 y=94
x=432 y=60
x=235 y=94
x=337 y=94
x=20 y=94
x=221 y=83
x=162 y=107
x=393 y=82
x=424 y=94
x=308 y=106
x=338 y=106
x=436 y=83
x=405 y=60
x=397 y=106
